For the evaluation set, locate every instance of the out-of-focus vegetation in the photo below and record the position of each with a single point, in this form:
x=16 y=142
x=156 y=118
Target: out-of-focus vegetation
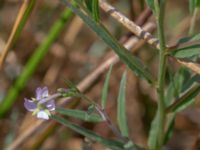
x=56 y=45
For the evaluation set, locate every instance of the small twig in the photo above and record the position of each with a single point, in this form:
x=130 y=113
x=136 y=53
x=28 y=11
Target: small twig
x=134 y=28
x=189 y=64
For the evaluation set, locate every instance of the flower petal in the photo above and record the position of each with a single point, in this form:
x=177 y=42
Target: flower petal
x=45 y=92
x=42 y=115
x=50 y=105
x=39 y=93
x=29 y=105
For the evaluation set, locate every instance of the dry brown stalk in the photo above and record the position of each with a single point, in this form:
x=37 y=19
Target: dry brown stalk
x=130 y=25
x=13 y=34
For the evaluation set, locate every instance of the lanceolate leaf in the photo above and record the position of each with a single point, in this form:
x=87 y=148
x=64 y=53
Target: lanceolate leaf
x=175 y=86
x=132 y=62
x=105 y=89
x=195 y=37
x=187 y=51
x=93 y=7
x=185 y=100
x=95 y=10
x=79 y=114
x=190 y=81
x=121 y=107
x=170 y=122
x=152 y=139
x=116 y=145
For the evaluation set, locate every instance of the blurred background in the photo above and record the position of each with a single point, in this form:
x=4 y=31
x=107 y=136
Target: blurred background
x=74 y=55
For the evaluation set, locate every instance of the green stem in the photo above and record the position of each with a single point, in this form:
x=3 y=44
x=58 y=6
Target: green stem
x=193 y=20
x=162 y=71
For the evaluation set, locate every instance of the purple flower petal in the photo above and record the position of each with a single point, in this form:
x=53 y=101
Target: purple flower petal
x=42 y=115
x=41 y=93
x=45 y=92
x=38 y=93
x=29 y=105
x=50 y=105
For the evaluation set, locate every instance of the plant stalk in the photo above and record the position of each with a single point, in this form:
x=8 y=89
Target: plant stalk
x=160 y=8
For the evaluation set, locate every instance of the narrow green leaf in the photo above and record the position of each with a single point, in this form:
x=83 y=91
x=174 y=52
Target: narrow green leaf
x=152 y=138
x=113 y=144
x=105 y=89
x=191 y=6
x=176 y=84
x=93 y=7
x=195 y=37
x=88 y=5
x=131 y=61
x=95 y=10
x=190 y=81
x=169 y=127
x=79 y=114
x=121 y=107
x=186 y=100
x=150 y=3
x=187 y=51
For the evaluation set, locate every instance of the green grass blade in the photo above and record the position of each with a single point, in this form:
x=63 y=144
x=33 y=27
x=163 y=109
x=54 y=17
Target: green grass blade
x=116 y=145
x=132 y=62
x=121 y=107
x=33 y=62
x=105 y=89
x=79 y=114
